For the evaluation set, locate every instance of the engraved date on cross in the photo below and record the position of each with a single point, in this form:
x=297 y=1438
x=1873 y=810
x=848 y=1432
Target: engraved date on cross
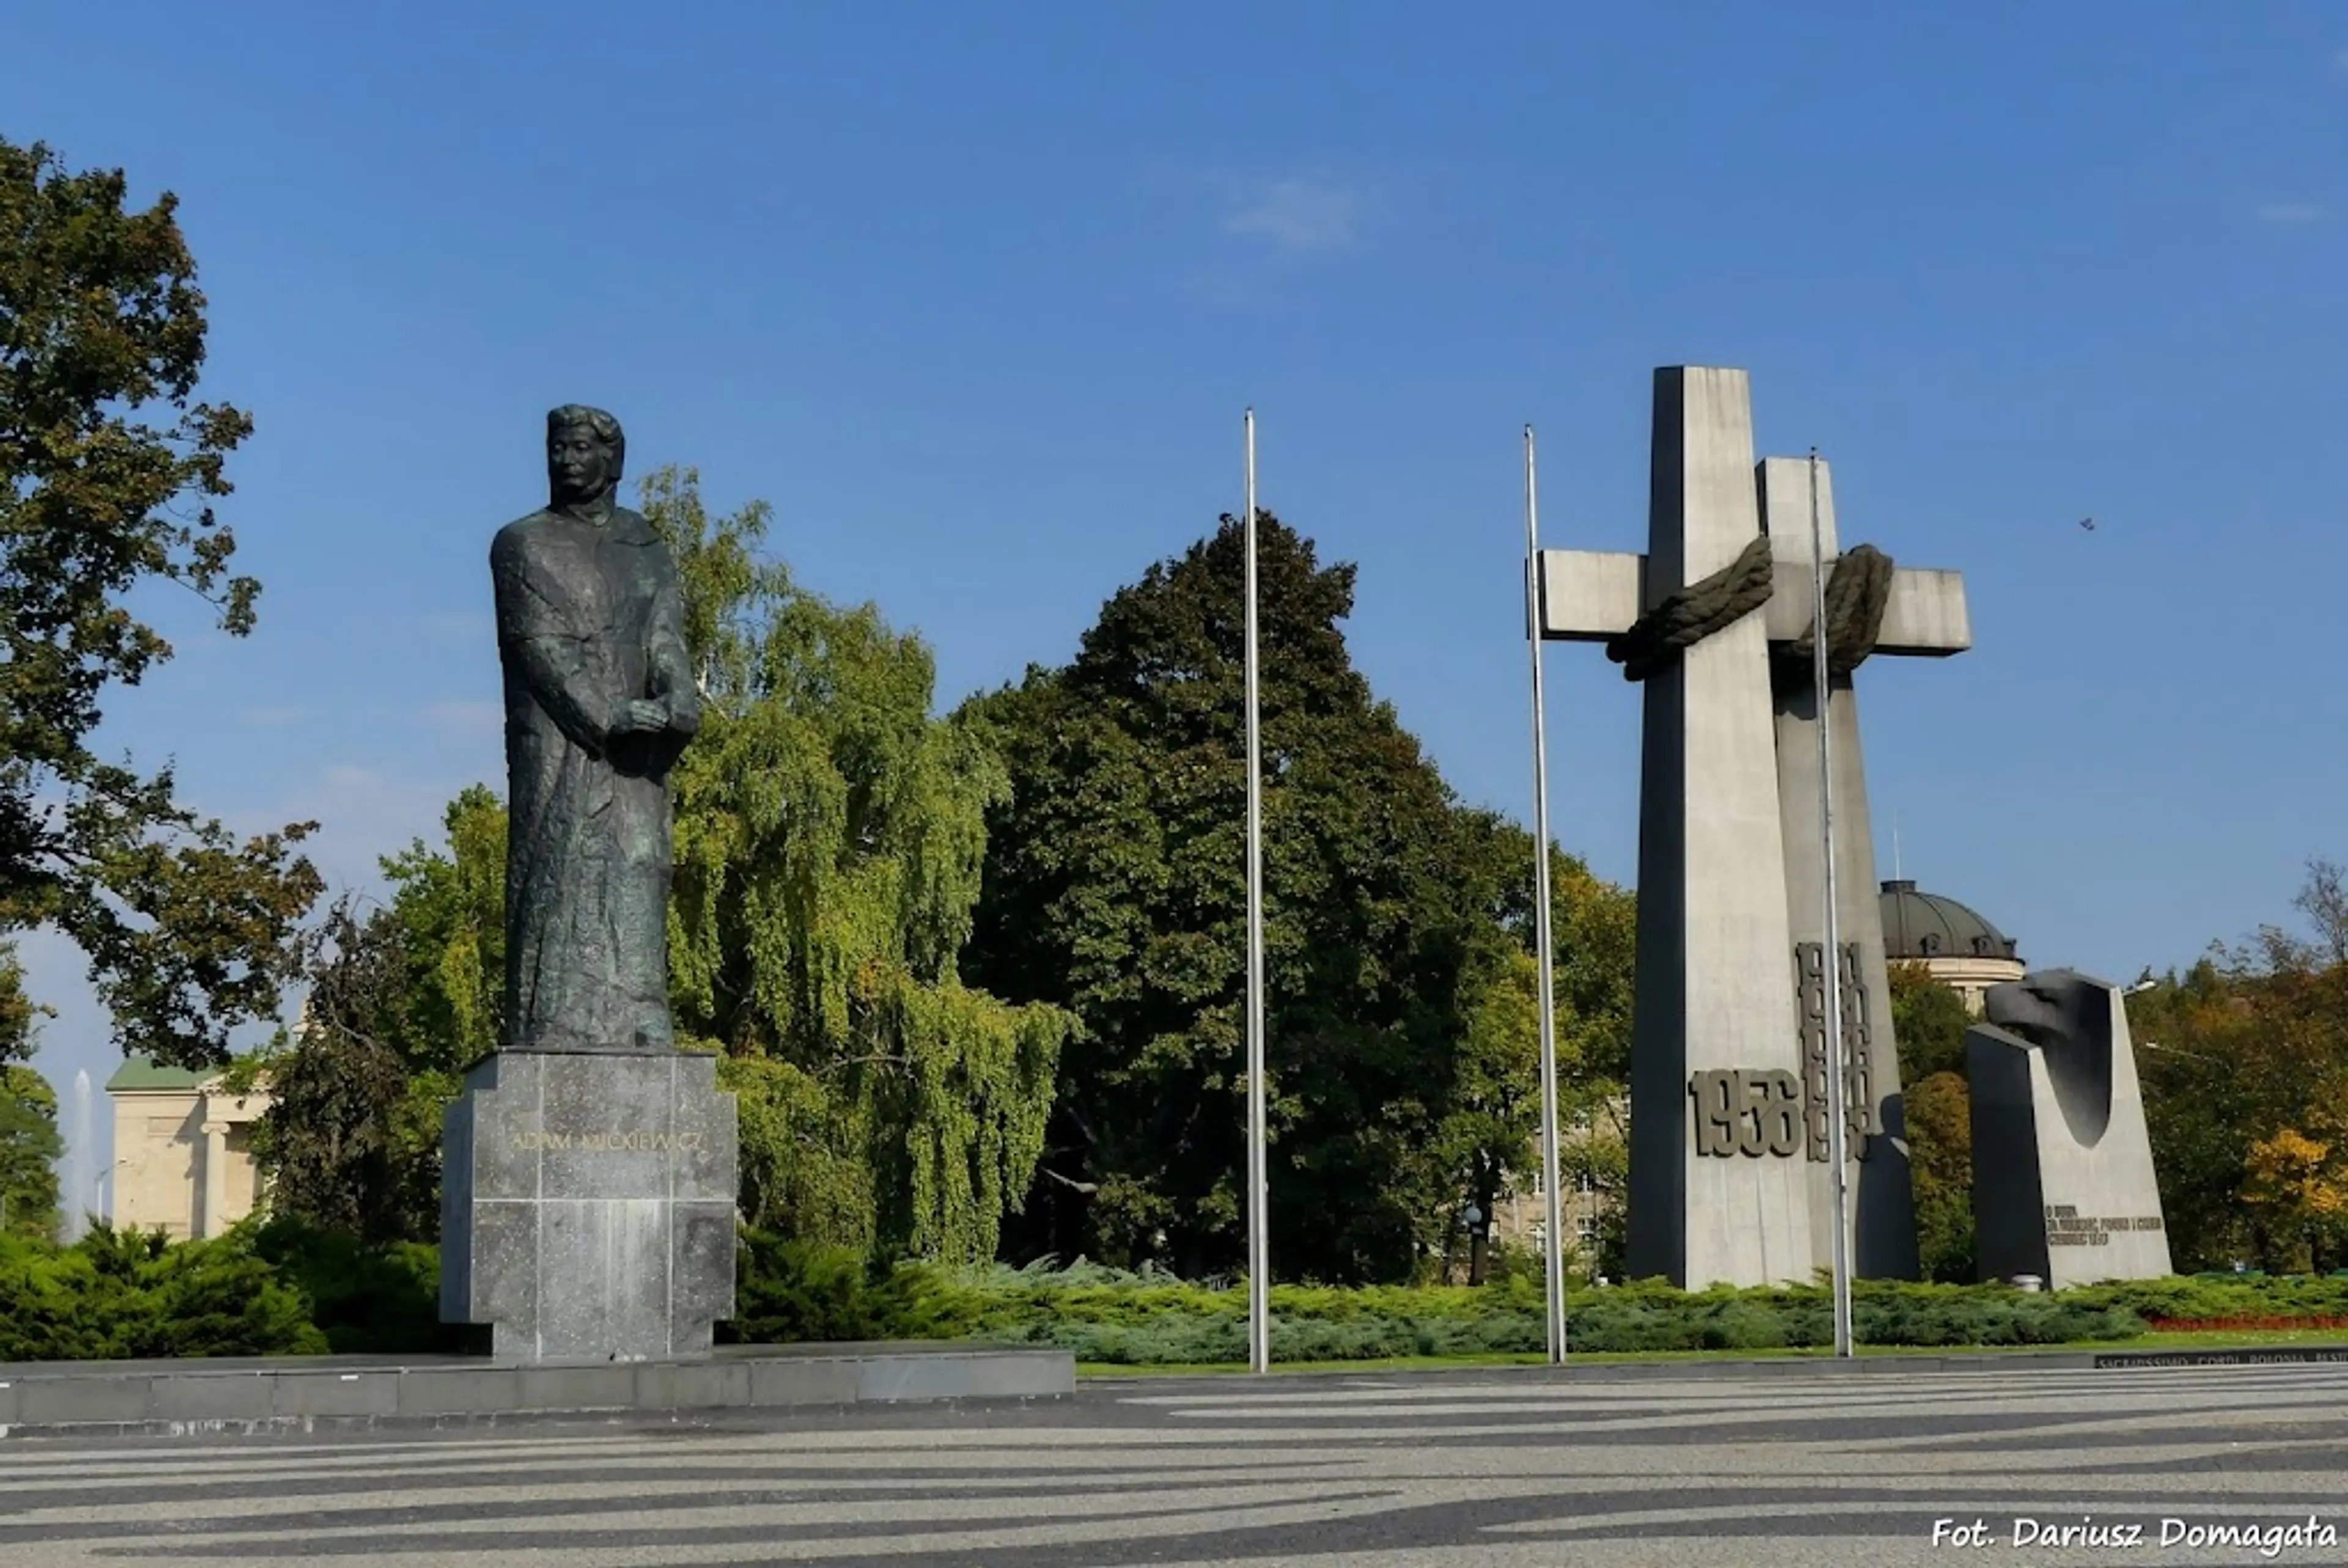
x=1862 y=1122
x=1747 y=1110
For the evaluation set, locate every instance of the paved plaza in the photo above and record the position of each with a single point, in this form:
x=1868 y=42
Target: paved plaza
x=1397 y=1471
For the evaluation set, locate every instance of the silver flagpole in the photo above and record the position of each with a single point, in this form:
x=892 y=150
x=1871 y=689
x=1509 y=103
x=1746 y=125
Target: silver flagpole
x=1258 y=1211
x=1552 y=1235
x=1838 y=1114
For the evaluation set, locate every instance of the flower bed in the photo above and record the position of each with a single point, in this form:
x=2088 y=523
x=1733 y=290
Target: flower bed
x=2241 y=1323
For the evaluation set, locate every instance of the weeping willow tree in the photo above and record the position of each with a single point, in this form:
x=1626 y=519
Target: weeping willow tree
x=829 y=835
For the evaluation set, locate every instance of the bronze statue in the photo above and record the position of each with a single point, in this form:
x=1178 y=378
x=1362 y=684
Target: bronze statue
x=599 y=703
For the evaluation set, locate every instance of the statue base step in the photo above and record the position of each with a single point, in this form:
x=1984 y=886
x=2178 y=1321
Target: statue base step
x=587 y=1205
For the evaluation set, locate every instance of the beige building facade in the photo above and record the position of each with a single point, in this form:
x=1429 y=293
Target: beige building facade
x=182 y=1151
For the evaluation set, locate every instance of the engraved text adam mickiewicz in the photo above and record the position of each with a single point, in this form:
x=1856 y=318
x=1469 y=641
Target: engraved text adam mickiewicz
x=610 y=1142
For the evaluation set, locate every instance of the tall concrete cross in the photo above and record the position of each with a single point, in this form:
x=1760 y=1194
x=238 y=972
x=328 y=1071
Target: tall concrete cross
x=1924 y=616
x=1728 y=1175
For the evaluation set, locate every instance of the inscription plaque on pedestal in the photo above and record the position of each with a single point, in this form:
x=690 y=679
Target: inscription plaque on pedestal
x=594 y=1194
x=2064 y=1186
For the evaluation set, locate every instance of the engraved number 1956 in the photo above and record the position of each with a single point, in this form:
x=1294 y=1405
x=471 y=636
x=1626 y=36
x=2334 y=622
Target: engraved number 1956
x=1746 y=1110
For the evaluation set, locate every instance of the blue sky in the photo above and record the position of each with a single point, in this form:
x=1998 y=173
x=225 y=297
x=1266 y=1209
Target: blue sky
x=974 y=296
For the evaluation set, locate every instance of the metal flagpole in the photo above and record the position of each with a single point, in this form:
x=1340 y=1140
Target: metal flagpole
x=1837 y=1113
x=1552 y=1232
x=1258 y=1212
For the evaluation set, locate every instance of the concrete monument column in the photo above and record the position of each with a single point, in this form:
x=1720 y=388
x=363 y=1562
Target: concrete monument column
x=1923 y=614
x=1719 y=1191
x=1730 y=1178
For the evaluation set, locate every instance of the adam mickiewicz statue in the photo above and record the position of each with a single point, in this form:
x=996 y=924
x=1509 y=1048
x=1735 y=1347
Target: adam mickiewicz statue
x=600 y=700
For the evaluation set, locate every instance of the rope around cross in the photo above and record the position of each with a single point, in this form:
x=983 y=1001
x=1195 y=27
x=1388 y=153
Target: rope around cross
x=1858 y=587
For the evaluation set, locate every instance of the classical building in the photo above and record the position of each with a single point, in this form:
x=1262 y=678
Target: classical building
x=1520 y=1215
x=1956 y=946
x=182 y=1150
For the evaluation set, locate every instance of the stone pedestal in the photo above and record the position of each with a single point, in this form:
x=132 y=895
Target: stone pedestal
x=587 y=1205
x=2063 y=1178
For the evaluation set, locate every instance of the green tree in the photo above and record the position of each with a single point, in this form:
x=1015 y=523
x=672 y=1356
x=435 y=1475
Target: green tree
x=829 y=835
x=1929 y=1020
x=450 y=905
x=328 y=1144
x=29 y=1147
x=1490 y=1126
x=1940 y=1165
x=2243 y=1059
x=403 y=999
x=20 y=1015
x=1486 y=1138
x=1114 y=888
x=2198 y=1050
x=108 y=472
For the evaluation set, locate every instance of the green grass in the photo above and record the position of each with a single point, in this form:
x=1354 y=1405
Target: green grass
x=2230 y=1340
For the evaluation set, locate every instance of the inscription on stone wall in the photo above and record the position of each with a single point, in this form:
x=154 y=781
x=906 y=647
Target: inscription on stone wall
x=2066 y=1227
x=608 y=1143
x=1857 y=1036
x=1746 y=1111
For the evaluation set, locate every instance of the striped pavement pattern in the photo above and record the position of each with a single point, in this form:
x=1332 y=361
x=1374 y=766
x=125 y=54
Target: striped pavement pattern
x=1491 y=1468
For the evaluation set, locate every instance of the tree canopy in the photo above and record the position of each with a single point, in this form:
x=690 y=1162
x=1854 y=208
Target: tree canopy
x=108 y=467
x=2244 y=1062
x=404 y=997
x=830 y=833
x=29 y=1147
x=1929 y=1020
x=1397 y=1030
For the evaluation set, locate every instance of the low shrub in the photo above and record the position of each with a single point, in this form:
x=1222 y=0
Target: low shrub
x=283 y=1288
x=367 y=1299
x=1151 y=1319
x=790 y=1292
x=124 y=1294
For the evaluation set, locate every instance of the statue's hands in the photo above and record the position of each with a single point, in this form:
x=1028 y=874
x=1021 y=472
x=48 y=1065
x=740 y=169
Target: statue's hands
x=641 y=717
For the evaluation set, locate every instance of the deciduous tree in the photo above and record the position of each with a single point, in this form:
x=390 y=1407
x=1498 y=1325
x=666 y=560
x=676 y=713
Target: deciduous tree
x=2244 y=1060
x=29 y=1147
x=830 y=833
x=1929 y=1020
x=404 y=998
x=108 y=467
x=1941 y=1166
x=1114 y=888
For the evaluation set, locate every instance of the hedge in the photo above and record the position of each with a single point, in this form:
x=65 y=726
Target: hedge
x=117 y=1294
x=1142 y=1321
x=280 y=1287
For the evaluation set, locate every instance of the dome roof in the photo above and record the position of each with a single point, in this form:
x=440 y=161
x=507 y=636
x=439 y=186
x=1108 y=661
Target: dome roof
x=1927 y=926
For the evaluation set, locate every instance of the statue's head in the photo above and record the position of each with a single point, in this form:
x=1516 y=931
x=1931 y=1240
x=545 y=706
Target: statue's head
x=585 y=452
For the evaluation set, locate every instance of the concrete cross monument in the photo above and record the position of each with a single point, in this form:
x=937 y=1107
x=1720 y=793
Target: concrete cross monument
x=1730 y=1180
x=1888 y=610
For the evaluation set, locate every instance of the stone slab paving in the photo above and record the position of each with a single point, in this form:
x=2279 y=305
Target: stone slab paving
x=1517 y=1467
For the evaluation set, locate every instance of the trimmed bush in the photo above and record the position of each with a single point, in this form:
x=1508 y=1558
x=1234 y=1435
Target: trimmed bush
x=367 y=1300
x=795 y=1292
x=120 y=1294
x=1146 y=1320
x=282 y=1287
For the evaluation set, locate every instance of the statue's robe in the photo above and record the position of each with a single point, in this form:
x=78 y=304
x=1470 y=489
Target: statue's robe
x=589 y=619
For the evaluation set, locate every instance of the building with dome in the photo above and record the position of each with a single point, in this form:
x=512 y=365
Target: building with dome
x=1954 y=942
